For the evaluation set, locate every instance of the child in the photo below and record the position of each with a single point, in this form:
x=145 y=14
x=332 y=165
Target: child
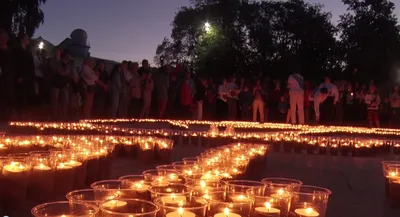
x=373 y=101
x=283 y=108
x=386 y=111
x=245 y=101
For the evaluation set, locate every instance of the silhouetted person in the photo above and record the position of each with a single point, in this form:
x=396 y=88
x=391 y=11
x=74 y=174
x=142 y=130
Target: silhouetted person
x=7 y=78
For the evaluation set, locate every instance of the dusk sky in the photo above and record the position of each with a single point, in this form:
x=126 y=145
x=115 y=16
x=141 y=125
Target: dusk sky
x=124 y=29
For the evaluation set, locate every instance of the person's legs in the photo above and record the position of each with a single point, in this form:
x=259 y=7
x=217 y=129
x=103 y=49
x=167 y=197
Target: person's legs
x=55 y=93
x=300 y=108
x=293 y=109
x=254 y=111
x=199 y=110
x=288 y=116
x=261 y=110
x=114 y=104
x=162 y=104
x=87 y=104
x=64 y=100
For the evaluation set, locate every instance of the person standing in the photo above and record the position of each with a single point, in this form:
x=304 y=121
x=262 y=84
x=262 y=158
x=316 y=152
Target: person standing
x=59 y=84
x=136 y=92
x=25 y=76
x=318 y=98
x=350 y=105
x=126 y=90
x=200 y=97
x=90 y=86
x=161 y=81
x=147 y=90
x=232 y=101
x=100 y=97
x=245 y=101
x=327 y=107
x=221 y=106
x=115 y=89
x=395 y=105
x=296 y=95
x=258 y=103
x=7 y=78
x=373 y=101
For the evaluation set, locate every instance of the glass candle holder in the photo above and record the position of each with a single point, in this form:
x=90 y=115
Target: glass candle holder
x=128 y=208
x=241 y=186
x=386 y=174
x=138 y=184
x=393 y=176
x=85 y=196
x=162 y=177
x=190 y=208
x=171 y=194
x=111 y=189
x=65 y=208
x=221 y=205
x=268 y=206
x=309 y=201
x=15 y=175
x=276 y=185
x=201 y=187
x=190 y=159
x=41 y=179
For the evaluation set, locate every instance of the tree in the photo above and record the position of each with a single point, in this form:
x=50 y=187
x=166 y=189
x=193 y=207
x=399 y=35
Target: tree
x=370 y=38
x=21 y=16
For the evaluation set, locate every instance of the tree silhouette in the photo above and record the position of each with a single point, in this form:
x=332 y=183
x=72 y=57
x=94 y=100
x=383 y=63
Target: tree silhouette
x=21 y=16
x=370 y=38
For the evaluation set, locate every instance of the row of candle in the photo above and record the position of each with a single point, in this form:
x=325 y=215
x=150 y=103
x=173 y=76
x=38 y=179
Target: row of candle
x=256 y=125
x=39 y=168
x=98 y=125
x=200 y=186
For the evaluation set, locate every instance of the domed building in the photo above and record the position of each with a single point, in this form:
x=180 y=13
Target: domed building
x=79 y=46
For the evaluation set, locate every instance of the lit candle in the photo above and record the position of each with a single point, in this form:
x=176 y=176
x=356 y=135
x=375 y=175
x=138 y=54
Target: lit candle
x=14 y=167
x=308 y=212
x=181 y=213
x=114 y=203
x=227 y=213
x=267 y=209
x=41 y=167
x=62 y=166
x=173 y=199
x=160 y=182
x=240 y=198
x=140 y=186
x=210 y=177
x=73 y=163
x=281 y=194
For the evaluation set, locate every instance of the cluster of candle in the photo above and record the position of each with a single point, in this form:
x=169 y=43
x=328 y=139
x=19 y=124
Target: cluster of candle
x=201 y=186
x=391 y=175
x=39 y=168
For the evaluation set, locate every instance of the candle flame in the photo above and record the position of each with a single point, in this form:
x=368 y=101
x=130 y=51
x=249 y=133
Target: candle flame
x=226 y=212
x=173 y=196
x=138 y=185
x=202 y=184
x=392 y=174
x=180 y=211
x=280 y=192
x=309 y=210
x=268 y=205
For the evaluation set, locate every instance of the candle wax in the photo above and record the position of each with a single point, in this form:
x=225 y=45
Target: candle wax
x=140 y=187
x=173 y=200
x=184 y=214
x=114 y=203
x=73 y=163
x=14 y=169
x=305 y=213
x=41 y=167
x=271 y=210
x=63 y=167
x=231 y=214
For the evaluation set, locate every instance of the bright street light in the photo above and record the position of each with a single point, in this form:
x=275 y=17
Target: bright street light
x=207 y=27
x=41 y=45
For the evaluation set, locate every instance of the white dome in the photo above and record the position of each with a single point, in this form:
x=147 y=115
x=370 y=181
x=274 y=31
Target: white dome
x=79 y=37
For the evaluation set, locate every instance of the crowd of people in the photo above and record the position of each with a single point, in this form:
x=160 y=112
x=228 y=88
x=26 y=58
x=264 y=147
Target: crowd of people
x=35 y=87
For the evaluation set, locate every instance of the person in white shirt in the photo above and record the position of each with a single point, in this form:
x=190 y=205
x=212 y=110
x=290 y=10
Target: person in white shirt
x=318 y=98
x=296 y=95
x=327 y=107
x=90 y=78
x=221 y=104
